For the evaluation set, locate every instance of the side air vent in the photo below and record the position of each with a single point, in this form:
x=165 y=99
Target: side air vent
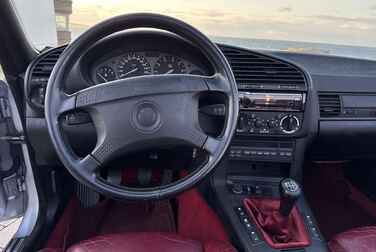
x=330 y=105
x=37 y=77
x=43 y=68
x=252 y=70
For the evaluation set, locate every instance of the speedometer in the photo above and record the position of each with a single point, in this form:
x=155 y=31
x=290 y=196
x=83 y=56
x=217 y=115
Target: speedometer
x=169 y=65
x=133 y=65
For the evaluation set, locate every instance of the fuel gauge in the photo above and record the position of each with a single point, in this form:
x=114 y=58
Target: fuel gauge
x=105 y=74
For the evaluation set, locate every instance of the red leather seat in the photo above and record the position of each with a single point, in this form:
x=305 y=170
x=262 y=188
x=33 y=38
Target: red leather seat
x=153 y=242
x=360 y=240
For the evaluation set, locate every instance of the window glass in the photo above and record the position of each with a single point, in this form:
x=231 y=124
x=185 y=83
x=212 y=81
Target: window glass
x=62 y=22
x=2 y=76
x=337 y=27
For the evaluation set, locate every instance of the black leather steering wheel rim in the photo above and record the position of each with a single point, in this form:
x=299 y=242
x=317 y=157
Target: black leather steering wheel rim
x=148 y=90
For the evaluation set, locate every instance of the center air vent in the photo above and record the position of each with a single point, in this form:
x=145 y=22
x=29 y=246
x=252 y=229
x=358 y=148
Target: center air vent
x=330 y=105
x=253 y=70
x=38 y=74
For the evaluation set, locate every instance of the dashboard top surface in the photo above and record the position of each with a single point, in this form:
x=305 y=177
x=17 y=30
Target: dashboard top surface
x=335 y=73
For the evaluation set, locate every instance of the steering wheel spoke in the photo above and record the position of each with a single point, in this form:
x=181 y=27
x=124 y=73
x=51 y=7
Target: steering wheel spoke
x=89 y=164
x=211 y=145
x=218 y=83
x=66 y=103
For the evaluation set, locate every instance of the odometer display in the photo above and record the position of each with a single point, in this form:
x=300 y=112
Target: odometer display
x=169 y=65
x=132 y=65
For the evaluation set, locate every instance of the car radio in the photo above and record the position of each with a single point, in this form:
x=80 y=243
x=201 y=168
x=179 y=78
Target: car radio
x=270 y=113
x=271 y=101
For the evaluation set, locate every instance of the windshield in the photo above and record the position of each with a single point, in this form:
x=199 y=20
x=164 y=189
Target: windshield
x=2 y=77
x=337 y=27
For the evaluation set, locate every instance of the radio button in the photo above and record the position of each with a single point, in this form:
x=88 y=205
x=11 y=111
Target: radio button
x=246 y=102
x=279 y=116
x=272 y=124
x=258 y=123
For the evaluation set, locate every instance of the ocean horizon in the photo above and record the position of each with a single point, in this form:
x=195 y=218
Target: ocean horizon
x=352 y=51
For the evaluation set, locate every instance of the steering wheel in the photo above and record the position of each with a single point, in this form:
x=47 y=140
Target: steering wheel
x=141 y=112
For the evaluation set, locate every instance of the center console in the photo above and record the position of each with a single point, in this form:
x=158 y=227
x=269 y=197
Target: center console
x=275 y=126
x=270 y=113
x=263 y=115
x=269 y=145
x=268 y=124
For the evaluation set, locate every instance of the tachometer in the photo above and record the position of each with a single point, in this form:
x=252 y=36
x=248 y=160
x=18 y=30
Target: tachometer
x=105 y=74
x=133 y=65
x=169 y=65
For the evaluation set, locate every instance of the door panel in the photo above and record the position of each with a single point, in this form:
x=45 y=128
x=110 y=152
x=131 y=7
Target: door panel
x=13 y=193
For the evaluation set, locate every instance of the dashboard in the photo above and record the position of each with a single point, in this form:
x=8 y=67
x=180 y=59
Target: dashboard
x=337 y=94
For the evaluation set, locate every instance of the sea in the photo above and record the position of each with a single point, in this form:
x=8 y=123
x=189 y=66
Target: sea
x=361 y=52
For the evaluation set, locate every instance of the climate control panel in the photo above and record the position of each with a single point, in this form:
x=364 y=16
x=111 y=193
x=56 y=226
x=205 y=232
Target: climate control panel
x=268 y=123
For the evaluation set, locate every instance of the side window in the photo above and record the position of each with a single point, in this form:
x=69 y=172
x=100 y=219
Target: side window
x=2 y=76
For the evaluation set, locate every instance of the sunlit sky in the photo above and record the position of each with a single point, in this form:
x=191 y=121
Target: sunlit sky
x=351 y=22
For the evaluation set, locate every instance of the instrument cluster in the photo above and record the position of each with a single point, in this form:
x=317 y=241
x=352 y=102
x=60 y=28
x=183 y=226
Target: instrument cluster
x=138 y=63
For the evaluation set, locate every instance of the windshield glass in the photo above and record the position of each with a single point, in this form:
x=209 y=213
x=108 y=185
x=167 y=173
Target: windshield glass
x=338 y=27
x=2 y=77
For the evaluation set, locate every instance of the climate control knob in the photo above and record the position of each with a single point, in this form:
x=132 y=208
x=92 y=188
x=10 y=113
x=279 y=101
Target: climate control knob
x=289 y=124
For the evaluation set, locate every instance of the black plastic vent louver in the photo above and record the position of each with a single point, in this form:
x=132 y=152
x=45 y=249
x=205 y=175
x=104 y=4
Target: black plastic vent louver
x=46 y=63
x=330 y=105
x=38 y=76
x=255 y=69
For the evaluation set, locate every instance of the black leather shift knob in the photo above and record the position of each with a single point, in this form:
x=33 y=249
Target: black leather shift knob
x=290 y=192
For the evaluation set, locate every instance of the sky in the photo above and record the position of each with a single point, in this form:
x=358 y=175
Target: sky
x=348 y=22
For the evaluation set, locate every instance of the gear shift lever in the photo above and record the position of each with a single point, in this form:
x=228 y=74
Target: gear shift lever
x=289 y=191
x=278 y=220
